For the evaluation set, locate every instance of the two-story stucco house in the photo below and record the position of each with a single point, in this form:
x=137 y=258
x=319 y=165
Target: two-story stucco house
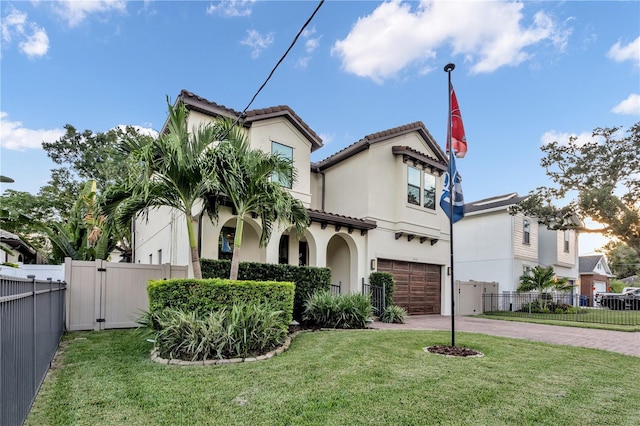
x=492 y=245
x=373 y=206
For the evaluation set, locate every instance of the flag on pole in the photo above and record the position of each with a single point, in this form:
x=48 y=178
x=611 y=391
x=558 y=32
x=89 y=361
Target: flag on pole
x=457 y=136
x=458 y=199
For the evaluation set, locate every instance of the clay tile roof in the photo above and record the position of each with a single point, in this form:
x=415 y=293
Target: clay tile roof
x=364 y=143
x=205 y=106
x=338 y=219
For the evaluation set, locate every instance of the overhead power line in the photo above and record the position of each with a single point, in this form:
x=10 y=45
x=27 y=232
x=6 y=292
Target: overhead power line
x=280 y=61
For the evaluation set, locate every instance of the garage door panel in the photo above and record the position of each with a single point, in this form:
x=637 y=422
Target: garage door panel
x=417 y=285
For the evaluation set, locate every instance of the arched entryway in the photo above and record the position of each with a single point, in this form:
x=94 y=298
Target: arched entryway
x=250 y=250
x=342 y=260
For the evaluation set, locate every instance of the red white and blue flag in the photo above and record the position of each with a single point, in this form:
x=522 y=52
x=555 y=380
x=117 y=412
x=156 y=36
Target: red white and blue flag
x=455 y=134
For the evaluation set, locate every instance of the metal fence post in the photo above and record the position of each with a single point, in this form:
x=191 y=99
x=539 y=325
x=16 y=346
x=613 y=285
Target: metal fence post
x=34 y=330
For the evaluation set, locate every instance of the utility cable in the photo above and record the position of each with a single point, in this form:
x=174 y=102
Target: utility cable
x=279 y=62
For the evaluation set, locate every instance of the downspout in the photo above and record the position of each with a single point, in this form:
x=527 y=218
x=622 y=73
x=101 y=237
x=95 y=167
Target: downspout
x=323 y=191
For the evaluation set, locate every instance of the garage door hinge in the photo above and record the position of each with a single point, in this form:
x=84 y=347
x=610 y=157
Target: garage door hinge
x=102 y=269
x=100 y=320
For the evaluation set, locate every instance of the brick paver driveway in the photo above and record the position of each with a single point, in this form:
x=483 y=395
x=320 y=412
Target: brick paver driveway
x=627 y=343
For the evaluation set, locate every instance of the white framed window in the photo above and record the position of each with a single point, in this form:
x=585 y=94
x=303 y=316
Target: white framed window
x=429 y=191
x=526 y=231
x=566 y=240
x=421 y=188
x=287 y=153
x=413 y=186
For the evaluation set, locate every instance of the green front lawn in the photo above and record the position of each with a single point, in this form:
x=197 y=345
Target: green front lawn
x=343 y=378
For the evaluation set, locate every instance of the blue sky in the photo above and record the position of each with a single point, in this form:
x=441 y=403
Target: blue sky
x=526 y=72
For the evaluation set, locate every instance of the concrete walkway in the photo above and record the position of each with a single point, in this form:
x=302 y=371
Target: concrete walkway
x=627 y=343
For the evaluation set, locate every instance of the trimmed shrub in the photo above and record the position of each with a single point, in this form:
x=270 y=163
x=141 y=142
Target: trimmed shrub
x=327 y=310
x=204 y=296
x=386 y=278
x=307 y=279
x=394 y=314
x=247 y=329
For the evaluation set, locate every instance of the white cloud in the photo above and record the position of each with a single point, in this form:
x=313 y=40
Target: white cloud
x=630 y=52
x=630 y=106
x=13 y=23
x=488 y=35
x=33 y=40
x=231 y=8
x=147 y=131
x=77 y=11
x=310 y=45
x=563 y=137
x=327 y=138
x=257 y=42
x=13 y=135
x=36 y=44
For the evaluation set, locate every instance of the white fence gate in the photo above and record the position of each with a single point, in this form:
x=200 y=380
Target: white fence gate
x=103 y=295
x=469 y=296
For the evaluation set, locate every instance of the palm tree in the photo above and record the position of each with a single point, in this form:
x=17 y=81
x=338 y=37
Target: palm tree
x=174 y=170
x=245 y=179
x=541 y=279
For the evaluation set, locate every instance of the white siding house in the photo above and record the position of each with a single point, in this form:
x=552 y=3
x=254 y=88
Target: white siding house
x=490 y=244
x=373 y=206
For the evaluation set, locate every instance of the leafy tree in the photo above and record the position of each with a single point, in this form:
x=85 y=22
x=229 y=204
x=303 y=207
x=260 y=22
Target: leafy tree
x=20 y=212
x=596 y=171
x=93 y=156
x=245 y=179
x=84 y=234
x=174 y=170
x=623 y=260
x=540 y=279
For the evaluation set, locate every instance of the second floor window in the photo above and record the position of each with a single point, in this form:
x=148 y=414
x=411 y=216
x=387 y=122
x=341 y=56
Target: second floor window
x=413 y=186
x=287 y=153
x=566 y=241
x=421 y=188
x=526 y=228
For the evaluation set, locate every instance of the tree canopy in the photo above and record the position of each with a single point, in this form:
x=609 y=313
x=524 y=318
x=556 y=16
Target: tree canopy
x=623 y=260
x=600 y=177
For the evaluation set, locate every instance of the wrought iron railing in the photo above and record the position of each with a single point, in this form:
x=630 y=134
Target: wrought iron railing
x=378 y=299
x=559 y=307
x=32 y=315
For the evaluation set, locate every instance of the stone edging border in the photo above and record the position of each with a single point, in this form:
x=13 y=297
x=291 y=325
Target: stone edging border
x=155 y=356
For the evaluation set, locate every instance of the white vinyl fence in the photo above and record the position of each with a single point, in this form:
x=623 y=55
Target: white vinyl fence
x=103 y=295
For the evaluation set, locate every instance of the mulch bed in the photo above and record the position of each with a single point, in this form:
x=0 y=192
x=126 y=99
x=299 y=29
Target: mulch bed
x=453 y=351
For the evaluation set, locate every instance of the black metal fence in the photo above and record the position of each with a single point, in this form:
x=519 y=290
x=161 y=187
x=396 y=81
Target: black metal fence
x=32 y=315
x=378 y=299
x=556 y=306
x=336 y=288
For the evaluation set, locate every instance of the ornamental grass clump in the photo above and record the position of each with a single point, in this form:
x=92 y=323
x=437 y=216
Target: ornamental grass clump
x=394 y=314
x=326 y=310
x=247 y=329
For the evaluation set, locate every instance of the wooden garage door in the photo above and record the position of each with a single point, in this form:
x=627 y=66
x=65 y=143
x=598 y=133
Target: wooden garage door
x=417 y=285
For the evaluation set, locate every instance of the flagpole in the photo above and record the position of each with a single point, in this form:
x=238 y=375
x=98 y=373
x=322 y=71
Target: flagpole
x=448 y=68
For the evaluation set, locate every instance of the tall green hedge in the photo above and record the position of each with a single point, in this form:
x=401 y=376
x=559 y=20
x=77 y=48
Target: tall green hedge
x=307 y=279
x=207 y=295
x=386 y=278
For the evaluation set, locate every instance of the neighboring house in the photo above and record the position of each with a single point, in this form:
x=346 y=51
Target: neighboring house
x=373 y=206
x=632 y=281
x=20 y=251
x=492 y=245
x=595 y=275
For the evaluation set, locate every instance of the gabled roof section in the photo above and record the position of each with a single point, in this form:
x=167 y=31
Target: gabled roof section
x=493 y=202
x=364 y=143
x=200 y=104
x=587 y=264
